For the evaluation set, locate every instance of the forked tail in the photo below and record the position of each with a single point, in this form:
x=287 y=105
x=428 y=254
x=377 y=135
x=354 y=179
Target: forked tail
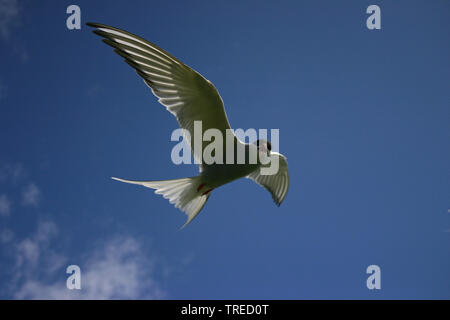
x=183 y=193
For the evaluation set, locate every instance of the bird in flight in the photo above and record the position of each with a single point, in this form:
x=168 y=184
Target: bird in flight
x=190 y=97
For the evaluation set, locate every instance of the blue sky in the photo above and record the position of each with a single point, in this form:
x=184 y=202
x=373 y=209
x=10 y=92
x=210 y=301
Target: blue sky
x=364 y=123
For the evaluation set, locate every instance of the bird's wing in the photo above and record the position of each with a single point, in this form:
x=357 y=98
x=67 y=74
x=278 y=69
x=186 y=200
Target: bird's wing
x=182 y=90
x=277 y=184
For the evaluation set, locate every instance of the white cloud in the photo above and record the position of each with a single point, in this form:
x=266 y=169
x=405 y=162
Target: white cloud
x=118 y=269
x=28 y=250
x=34 y=289
x=5 y=205
x=45 y=231
x=31 y=195
x=9 y=12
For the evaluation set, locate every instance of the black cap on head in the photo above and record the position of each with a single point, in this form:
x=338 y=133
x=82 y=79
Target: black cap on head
x=262 y=142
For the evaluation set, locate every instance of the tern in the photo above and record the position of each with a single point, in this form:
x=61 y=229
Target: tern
x=190 y=97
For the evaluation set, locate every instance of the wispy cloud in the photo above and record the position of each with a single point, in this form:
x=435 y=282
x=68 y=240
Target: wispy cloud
x=9 y=12
x=29 y=249
x=35 y=261
x=116 y=270
x=120 y=271
x=5 y=205
x=31 y=195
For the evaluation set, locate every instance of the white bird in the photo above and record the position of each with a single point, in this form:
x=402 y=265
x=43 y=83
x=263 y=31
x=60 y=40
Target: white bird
x=190 y=97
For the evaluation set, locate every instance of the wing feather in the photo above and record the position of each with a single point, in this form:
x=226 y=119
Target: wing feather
x=277 y=184
x=184 y=92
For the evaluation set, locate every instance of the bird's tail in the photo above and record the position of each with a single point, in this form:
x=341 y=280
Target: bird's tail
x=183 y=193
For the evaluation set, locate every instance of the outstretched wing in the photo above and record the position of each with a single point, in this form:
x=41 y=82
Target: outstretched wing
x=182 y=90
x=277 y=184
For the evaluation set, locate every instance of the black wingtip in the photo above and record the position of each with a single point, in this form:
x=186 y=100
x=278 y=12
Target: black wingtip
x=97 y=25
x=98 y=32
x=92 y=24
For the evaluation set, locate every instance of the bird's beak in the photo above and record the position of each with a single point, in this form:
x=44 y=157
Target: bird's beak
x=263 y=153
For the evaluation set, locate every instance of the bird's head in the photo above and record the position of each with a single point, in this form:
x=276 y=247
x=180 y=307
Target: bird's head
x=264 y=148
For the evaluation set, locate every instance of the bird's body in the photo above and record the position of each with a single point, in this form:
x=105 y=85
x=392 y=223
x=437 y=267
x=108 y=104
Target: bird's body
x=217 y=175
x=191 y=98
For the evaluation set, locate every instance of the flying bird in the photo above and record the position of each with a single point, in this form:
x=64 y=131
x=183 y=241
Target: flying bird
x=190 y=97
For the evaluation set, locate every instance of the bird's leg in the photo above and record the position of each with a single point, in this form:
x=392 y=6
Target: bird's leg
x=206 y=192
